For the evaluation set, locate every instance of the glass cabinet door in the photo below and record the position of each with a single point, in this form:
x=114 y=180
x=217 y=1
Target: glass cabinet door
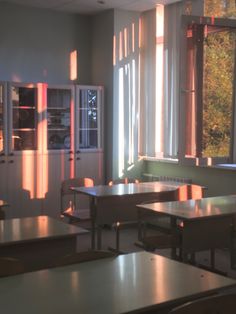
x=24 y=118
x=89 y=114
x=59 y=118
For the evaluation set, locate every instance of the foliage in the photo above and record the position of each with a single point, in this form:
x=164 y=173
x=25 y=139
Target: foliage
x=218 y=81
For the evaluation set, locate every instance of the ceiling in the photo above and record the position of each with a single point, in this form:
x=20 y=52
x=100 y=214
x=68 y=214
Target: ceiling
x=91 y=6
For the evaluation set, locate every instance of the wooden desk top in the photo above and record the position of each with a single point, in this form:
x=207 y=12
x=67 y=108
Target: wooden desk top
x=128 y=189
x=35 y=229
x=122 y=284
x=196 y=209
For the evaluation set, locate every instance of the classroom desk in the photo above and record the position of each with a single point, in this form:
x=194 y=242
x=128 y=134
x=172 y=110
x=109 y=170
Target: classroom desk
x=110 y=204
x=207 y=221
x=132 y=283
x=37 y=241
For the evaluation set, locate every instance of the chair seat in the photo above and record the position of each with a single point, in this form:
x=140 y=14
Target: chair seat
x=76 y=214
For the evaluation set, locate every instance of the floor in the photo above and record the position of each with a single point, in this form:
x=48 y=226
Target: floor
x=128 y=237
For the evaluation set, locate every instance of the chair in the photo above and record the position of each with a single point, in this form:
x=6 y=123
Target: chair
x=117 y=224
x=165 y=238
x=217 y=304
x=81 y=257
x=10 y=266
x=72 y=212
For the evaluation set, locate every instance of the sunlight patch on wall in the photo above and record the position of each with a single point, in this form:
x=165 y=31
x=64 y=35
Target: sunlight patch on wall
x=73 y=65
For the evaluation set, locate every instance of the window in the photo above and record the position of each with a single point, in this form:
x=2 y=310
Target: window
x=208 y=90
x=158 y=76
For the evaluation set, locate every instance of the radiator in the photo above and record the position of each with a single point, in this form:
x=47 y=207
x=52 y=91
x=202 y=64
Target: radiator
x=151 y=177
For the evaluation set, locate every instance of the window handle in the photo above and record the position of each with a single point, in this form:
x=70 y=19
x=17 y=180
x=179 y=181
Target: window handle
x=187 y=90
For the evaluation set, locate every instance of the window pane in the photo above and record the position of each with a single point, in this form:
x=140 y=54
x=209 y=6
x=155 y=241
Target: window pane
x=220 y=8
x=88 y=139
x=218 y=77
x=24 y=122
x=58 y=118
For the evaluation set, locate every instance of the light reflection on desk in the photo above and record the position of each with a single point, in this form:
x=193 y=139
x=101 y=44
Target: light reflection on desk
x=192 y=209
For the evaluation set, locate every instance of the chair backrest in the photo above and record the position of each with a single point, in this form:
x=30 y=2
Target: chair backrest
x=10 y=266
x=189 y=191
x=123 y=181
x=75 y=182
x=66 y=191
x=81 y=257
x=219 y=304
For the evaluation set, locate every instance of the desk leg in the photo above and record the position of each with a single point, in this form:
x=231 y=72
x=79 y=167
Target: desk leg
x=173 y=222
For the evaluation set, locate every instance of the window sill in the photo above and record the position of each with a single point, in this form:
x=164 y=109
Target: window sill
x=225 y=166
x=164 y=160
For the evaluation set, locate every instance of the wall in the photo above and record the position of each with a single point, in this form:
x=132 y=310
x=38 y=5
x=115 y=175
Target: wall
x=102 y=74
x=217 y=181
x=35 y=45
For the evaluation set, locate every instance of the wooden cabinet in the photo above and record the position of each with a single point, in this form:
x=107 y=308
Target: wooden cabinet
x=47 y=134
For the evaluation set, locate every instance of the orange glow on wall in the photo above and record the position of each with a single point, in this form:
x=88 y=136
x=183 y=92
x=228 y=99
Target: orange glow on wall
x=114 y=50
x=73 y=65
x=133 y=37
x=28 y=168
x=121 y=46
x=140 y=34
x=126 y=42
x=34 y=166
x=42 y=159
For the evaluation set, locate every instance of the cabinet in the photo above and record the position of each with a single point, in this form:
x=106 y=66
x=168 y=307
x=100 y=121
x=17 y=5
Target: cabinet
x=18 y=157
x=47 y=134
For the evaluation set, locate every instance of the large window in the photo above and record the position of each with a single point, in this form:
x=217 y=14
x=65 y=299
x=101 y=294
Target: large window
x=159 y=84
x=209 y=89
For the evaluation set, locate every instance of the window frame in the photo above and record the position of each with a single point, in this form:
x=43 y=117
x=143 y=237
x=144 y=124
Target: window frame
x=198 y=160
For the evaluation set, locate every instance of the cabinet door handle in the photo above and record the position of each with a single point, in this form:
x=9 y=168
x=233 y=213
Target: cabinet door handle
x=70 y=152
x=70 y=159
x=11 y=154
x=78 y=151
x=2 y=161
x=77 y=158
x=11 y=161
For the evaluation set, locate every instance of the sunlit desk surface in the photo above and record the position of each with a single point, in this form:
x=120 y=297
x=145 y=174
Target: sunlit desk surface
x=125 y=284
x=37 y=240
x=207 y=221
x=109 y=204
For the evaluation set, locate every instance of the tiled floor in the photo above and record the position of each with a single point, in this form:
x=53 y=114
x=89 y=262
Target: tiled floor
x=128 y=237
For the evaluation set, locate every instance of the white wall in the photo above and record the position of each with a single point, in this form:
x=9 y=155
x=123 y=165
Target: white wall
x=35 y=45
x=102 y=74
